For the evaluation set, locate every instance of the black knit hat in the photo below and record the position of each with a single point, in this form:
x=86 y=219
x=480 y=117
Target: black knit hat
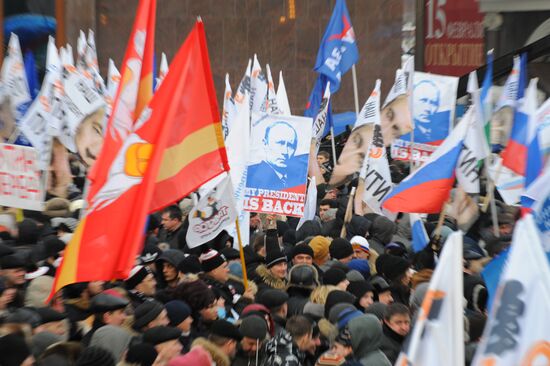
x=143 y=354
x=190 y=264
x=272 y=298
x=12 y=261
x=273 y=252
x=211 y=260
x=48 y=315
x=150 y=253
x=253 y=327
x=158 y=335
x=95 y=356
x=223 y=328
x=105 y=302
x=177 y=311
x=395 y=266
x=336 y=297
x=340 y=248
x=137 y=274
x=360 y=288
x=145 y=313
x=302 y=249
x=334 y=276
x=52 y=246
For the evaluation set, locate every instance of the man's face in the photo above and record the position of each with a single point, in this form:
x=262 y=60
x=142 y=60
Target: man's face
x=169 y=271
x=89 y=137
x=59 y=327
x=148 y=285
x=425 y=102
x=168 y=223
x=396 y=119
x=221 y=273
x=302 y=259
x=341 y=350
x=280 y=145
x=185 y=326
x=169 y=349
x=321 y=159
x=399 y=323
x=323 y=210
x=352 y=157
x=385 y=297
x=279 y=269
x=95 y=287
x=361 y=254
x=231 y=348
x=476 y=265
x=304 y=343
x=115 y=317
x=15 y=276
x=255 y=221
x=249 y=345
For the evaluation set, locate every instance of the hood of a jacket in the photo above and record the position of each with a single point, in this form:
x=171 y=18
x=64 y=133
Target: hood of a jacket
x=366 y=335
x=382 y=229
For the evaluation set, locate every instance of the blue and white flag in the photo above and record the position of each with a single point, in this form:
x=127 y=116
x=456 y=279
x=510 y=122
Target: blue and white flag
x=419 y=235
x=338 y=51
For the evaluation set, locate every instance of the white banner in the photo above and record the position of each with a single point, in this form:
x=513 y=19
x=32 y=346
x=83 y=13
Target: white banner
x=214 y=211
x=21 y=180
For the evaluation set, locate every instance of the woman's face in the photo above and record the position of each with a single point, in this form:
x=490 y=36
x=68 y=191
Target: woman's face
x=396 y=119
x=279 y=270
x=351 y=158
x=210 y=313
x=89 y=137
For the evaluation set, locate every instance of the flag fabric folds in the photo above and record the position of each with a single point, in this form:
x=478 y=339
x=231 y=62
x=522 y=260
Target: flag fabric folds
x=178 y=135
x=433 y=181
x=437 y=337
x=516 y=331
x=134 y=92
x=419 y=235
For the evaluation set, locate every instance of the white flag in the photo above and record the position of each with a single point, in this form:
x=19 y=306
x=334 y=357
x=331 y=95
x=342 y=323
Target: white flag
x=311 y=203
x=437 y=337
x=163 y=70
x=44 y=114
x=270 y=106
x=258 y=87
x=517 y=331
x=467 y=167
x=539 y=193
x=321 y=119
x=228 y=107
x=214 y=211
x=282 y=98
x=477 y=143
x=376 y=170
x=81 y=45
x=237 y=147
x=113 y=79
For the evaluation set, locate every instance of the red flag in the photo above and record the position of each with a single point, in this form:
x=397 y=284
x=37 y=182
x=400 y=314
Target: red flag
x=134 y=92
x=107 y=240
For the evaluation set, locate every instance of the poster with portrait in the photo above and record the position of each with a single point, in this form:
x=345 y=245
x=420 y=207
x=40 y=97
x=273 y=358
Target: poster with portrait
x=277 y=167
x=433 y=110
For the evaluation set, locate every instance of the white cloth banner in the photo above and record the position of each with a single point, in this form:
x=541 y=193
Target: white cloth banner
x=21 y=180
x=282 y=98
x=467 y=167
x=517 y=331
x=311 y=203
x=438 y=334
x=214 y=211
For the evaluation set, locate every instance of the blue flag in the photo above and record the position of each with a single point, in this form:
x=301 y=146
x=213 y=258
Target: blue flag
x=338 y=50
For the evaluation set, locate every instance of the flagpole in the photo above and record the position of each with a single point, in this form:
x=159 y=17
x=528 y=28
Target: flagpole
x=355 y=92
x=349 y=212
x=241 y=252
x=333 y=144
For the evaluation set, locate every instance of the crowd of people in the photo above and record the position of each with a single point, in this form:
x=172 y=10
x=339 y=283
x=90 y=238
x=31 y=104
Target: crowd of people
x=330 y=292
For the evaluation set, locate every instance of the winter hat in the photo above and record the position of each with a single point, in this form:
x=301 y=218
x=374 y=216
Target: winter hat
x=177 y=311
x=13 y=350
x=57 y=207
x=149 y=253
x=395 y=267
x=171 y=256
x=273 y=252
x=112 y=338
x=190 y=264
x=330 y=359
x=230 y=254
x=303 y=276
x=23 y=316
x=41 y=341
x=198 y=356
x=253 y=327
x=223 y=328
x=334 y=276
x=340 y=248
x=282 y=227
x=5 y=249
x=379 y=285
x=360 y=288
x=104 y=302
x=52 y=246
x=28 y=232
x=272 y=298
x=346 y=316
x=378 y=309
x=211 y=260
x=343 y=337
x=137 y=274
x=360 y=265
x=290 y=237
x=95 y=356
x=313 y=310
x=48 y=315
x=320 y=246
x=146 y=313
x=338 y=309
x=359 y=242
x=354 y=275
x=302 y=249
x=158 y=335
x=12 y=261
x=336 y=297
x=142 y=354
x=38 y=291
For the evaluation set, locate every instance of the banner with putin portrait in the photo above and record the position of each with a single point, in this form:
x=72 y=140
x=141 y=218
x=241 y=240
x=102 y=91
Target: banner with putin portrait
x=433 y=109
x=277 y=168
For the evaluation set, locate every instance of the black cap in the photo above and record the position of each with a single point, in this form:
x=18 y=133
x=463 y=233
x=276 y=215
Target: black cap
x=24 y=316
x=272 y=298
x=190 y=264
x=157 y=335
x=334 y=276
x=360 y=288
x=102 y=303
x=211 y=260
x=12 y=261
x=5 y=250
x=150 y=253
x=273 y=251
x=52 y=246
x=303 y=276
x=146 y=313
x=141 y=354
x=253 y=327
x=379 y=285
x=395 y=266
x=137 y=274
x=48 y=315
x=230 y=253
x=223 y=328
x=302 y=249
x=340 y=248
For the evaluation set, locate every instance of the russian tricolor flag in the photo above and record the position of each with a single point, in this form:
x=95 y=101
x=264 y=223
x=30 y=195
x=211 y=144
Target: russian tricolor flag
x=428 y=188
x=419 y=235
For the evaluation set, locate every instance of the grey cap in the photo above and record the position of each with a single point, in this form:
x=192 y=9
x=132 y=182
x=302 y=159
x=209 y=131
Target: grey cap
x=253 y=327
